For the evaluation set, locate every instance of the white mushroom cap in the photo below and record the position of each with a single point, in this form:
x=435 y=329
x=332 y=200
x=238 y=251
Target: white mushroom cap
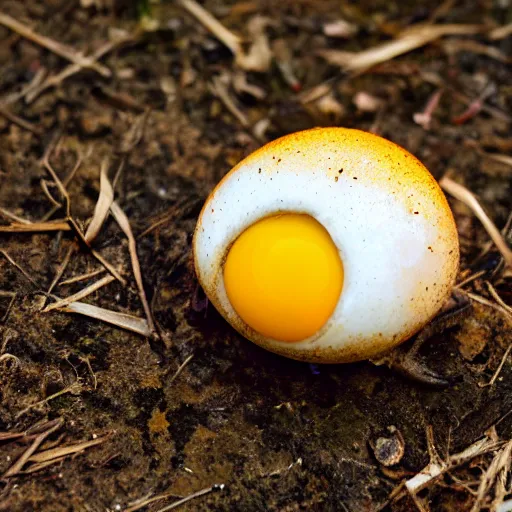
x=384 y=212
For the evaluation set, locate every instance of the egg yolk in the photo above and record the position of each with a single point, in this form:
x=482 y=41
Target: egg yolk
x=283 y=276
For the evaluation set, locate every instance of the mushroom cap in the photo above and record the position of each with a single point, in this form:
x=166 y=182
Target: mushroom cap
x=385 y=213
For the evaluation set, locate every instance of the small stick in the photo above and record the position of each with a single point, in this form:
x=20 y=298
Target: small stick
x=12 y=262
x=66 y=182
x=62 y=268
x=63 y=451
x=148 y=501
x=485 y=302
x=58 y=48
x=82 y=277
x=45 y=161
x=44 y=186
x=73 y=69
x=13 y=118
x=18 y=227
x=497 y=298
x=470 y=279
x=16 y=467
x=202 y=492
x=12 y=295
x=227 y=37
x=180 y=369
x=220 y=90
x=463 y=194
x=498 y=370
x=11 y=216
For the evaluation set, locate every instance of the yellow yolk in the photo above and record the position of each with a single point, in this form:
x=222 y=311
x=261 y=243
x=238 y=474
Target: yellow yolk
x=283 y=276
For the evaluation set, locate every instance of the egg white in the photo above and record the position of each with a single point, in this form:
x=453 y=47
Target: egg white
x=396 y=237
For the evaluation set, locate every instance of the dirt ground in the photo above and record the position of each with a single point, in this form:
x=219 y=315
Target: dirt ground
x=95 y=417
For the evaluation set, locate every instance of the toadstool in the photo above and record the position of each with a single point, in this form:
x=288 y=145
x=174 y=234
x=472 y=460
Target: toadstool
x=329 y=245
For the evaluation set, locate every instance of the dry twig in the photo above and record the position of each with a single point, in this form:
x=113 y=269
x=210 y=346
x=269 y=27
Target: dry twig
x=180 y=369
x=35 y=227
x=486 y=302
x=463 y=194
x=144 y=502
x=64 y=451
x=13 y=118
x=410 y=39
x=498 y=370
x=82 y=277
x=56 y=80
x=52 y=426
x=258 y=57
x=202 y=492
x=19 y=267
x=58 y=48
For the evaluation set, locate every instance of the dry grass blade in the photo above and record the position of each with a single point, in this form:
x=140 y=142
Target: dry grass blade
x=227 y=37
x=18 y=465
x=498 y=370
x=181 y=368
x=82 y=277
x=12 y=216
x=20 y=268
x=45 y=162
x=38 y=467
x=102 y=206
x=497 y=298
x=60 y=49
x=67 y=181
x=218 y=88
x=500 y=32
x=202 y=492
x=496 y=157
x=80 y=295
x=486 y=302
x=64 y=451
x=437 y=468
x=7 y=436
x=48 y=194
x=34 y=227
x=62 y=268
x=75 y=68
x=122 y=320
x=466 y=45
x=144 y=502
x=463 y=194
x=96 y=254
x=124 y=224
x=109 y=267
x=410 y=39
x=12 y=298
x=259 y=55
x=500 y=461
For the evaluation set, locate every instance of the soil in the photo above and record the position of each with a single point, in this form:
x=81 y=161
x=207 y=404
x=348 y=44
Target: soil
x=274 y=434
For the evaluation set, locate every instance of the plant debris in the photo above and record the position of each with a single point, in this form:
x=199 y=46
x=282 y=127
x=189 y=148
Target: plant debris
x=121 y=388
